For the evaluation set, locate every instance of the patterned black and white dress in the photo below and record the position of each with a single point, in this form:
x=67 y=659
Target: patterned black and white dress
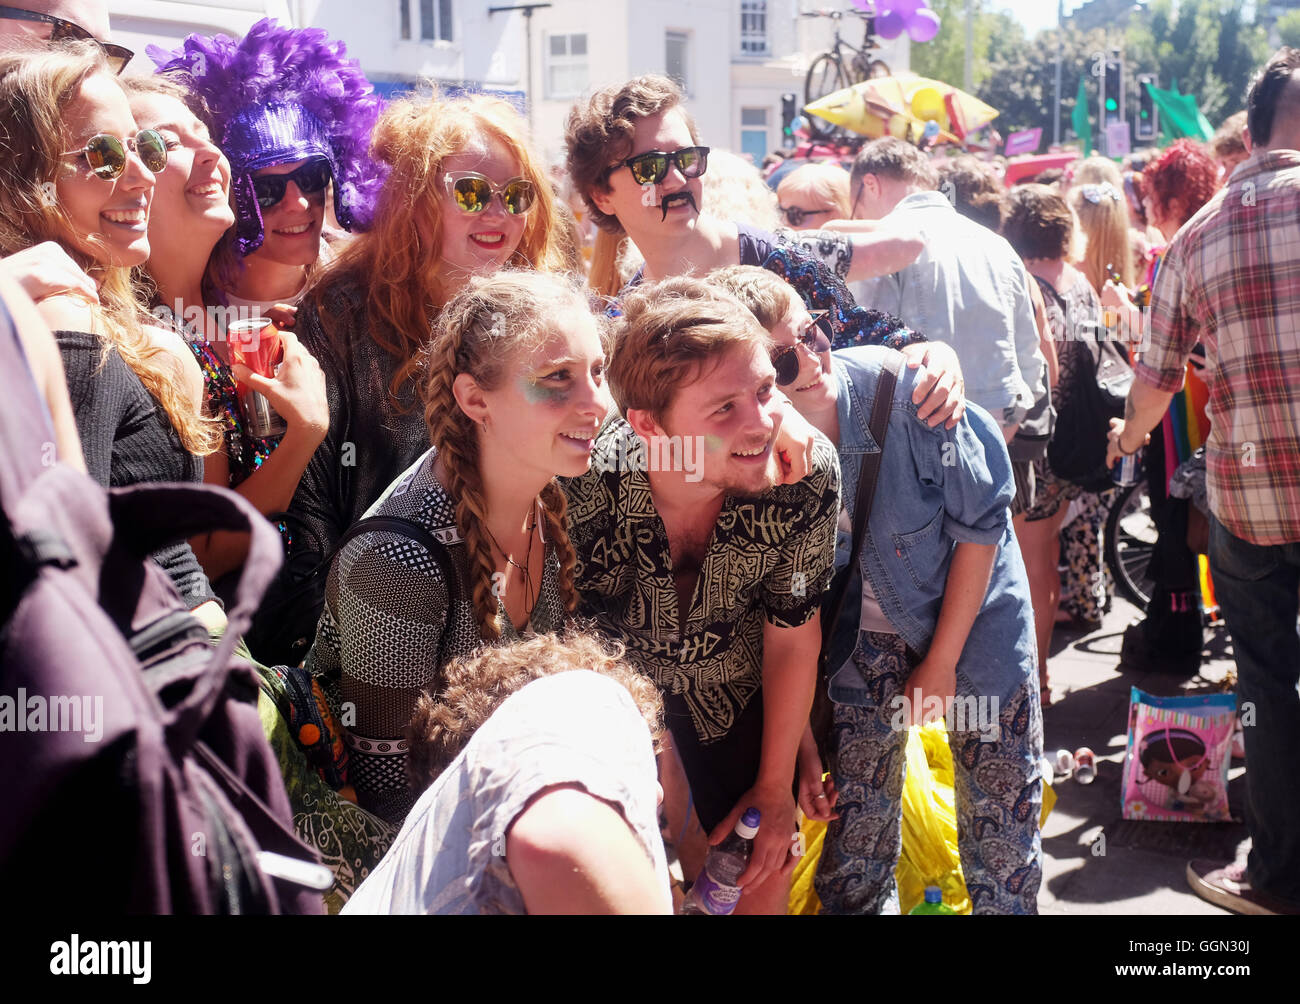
x=387 y=632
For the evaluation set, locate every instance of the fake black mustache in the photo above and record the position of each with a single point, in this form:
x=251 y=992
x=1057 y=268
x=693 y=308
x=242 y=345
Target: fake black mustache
x=669 y=201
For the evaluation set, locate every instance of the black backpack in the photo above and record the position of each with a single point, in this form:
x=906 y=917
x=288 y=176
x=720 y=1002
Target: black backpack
x=1077 y=451
x=136 y=776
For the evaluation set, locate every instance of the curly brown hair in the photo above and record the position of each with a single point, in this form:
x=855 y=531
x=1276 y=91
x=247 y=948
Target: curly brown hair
x=475 y=686
x=600 y=134
x=1038 y=222
x=974 y=189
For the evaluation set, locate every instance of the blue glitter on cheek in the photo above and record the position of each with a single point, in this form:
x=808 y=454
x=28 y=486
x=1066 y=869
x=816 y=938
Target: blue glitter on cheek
x=536 y=392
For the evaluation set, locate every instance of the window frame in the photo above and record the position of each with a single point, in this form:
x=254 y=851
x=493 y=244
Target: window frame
x=566 y=60
x=685 y=37
x=751 y=11
x=441 y=30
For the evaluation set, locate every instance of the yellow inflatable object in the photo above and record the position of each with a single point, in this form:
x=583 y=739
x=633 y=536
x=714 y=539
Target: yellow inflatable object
x=927 y=104
x=901 y=105
x=929 y=855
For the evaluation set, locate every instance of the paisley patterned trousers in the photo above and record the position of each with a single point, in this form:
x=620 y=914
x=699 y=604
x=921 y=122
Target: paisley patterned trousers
x=998 y=793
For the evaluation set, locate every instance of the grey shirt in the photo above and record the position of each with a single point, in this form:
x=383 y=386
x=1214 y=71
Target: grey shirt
x=970 y=289
x=572 y=728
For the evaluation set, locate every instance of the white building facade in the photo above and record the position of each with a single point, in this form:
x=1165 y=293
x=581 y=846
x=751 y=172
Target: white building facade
x=734 y=58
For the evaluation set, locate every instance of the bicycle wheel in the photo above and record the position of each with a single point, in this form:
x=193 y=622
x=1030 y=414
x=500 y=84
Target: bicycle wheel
x=825 y=76
x=1130 y=540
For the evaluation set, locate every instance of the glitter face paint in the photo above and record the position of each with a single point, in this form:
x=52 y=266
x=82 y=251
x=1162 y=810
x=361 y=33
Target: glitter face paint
x=537 y=392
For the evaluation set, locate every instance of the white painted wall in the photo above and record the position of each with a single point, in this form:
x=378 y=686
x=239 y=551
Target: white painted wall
x=624 y=38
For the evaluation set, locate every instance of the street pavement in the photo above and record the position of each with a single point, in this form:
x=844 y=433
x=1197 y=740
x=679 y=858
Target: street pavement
x=1095 y=862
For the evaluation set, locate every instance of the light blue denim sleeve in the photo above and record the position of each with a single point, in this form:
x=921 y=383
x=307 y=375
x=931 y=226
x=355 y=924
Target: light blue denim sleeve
x=970 y=462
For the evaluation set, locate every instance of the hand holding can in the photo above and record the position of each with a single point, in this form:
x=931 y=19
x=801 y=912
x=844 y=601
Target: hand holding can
x=255 y=343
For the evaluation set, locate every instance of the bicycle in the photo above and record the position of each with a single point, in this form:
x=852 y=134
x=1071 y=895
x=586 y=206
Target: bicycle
x=1130 y=539
x=830 y=73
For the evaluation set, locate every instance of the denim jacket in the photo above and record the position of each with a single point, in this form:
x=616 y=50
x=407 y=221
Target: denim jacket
x=936 y=487
x=968 y=289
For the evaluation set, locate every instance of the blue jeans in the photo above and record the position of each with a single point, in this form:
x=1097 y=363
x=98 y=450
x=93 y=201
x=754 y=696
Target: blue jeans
x=1257 y=590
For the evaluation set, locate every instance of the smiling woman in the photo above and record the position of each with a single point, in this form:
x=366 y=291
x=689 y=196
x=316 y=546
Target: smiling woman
x=513 y=389
x=76 y=169
x=294 y=117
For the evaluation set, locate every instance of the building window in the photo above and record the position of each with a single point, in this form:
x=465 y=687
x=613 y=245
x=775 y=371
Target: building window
x=753 y=133
x=404 y=13
x=677 y=58
x=753 y=27
x=435 y=20
x=566 y=66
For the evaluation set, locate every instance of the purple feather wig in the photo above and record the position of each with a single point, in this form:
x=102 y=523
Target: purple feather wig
x=277 y=96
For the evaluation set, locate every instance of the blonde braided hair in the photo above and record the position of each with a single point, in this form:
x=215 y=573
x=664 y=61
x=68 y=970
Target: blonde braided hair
x=481 y=332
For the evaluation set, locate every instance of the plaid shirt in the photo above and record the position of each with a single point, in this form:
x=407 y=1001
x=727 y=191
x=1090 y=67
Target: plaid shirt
x=1231 y=280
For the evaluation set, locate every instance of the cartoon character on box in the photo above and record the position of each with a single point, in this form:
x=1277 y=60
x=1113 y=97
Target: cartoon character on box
x=1178 y=759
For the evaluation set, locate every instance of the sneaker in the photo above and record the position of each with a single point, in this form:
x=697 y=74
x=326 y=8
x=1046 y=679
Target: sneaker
x=1229 y=886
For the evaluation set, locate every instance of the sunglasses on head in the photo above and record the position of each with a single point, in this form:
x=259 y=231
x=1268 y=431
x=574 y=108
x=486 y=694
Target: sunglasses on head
x=786 y=361
x=311 y=177
x=56 y=29
x=651 y=168
x=795 y=216
x=106 y=154
x=473 y=193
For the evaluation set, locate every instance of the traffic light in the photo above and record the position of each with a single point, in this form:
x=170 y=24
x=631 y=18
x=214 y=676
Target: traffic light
x=1114 y=109
x=1148 y=121
x=789 y=111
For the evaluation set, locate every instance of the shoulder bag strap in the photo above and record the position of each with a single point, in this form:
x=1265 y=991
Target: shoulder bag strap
x=421 y=535
x=866 y=491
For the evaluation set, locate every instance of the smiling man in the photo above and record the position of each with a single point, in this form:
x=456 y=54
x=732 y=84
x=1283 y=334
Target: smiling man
x=711 y=577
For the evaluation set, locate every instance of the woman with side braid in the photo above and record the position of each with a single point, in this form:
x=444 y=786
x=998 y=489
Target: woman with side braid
x=513 y=389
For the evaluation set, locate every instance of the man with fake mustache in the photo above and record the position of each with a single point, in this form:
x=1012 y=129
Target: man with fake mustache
x=634 y=155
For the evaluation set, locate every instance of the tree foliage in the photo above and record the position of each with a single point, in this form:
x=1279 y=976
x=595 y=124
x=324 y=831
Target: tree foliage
x=1207 y=46
x=1288 y=28
x=944 y=57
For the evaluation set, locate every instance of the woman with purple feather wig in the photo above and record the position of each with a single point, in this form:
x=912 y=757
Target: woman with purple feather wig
x=263 y=126
x=292 y=114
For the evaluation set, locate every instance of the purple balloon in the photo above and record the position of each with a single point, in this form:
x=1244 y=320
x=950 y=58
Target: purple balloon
x=889 y=25
x=905 y=8
x=921 y=26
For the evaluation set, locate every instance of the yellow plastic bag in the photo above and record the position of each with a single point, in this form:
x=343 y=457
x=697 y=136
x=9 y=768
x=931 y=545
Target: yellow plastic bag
x=929 y=853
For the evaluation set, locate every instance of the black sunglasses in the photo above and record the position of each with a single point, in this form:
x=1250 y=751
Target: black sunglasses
x=63 y=31
x=786 y=361
x=106 y=154
x=796 y=216
x=311 y=178
x=651 y=167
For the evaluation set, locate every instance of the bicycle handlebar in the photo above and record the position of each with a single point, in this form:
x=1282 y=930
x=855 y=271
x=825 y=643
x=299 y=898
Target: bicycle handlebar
x=835 y=14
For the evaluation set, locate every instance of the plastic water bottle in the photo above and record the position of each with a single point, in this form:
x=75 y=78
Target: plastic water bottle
x=715 y=892
x=934 y=906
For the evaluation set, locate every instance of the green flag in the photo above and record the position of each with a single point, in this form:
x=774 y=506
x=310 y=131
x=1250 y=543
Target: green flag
x=1080 y=121
x=1179 y=115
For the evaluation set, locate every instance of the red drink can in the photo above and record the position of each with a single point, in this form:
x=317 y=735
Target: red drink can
x=255 y=343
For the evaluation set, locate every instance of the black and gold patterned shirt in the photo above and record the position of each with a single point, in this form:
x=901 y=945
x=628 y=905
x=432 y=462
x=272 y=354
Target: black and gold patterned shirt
x=770 y=559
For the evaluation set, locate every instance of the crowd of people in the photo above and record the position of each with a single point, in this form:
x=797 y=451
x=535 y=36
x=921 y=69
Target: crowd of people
x=623 y=496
